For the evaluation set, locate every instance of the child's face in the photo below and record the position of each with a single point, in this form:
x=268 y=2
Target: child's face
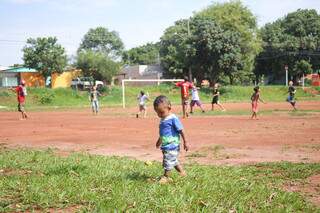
x=162 y=110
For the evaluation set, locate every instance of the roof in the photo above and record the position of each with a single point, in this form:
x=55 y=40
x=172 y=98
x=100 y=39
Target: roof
x=19 y=69
x=3 y=68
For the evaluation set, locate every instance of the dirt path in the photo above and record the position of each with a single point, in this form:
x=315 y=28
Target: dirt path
x=213 y=139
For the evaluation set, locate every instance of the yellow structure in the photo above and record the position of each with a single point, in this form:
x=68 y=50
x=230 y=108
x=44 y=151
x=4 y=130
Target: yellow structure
x=64 y=79
x=33 y=79
x=11 y=76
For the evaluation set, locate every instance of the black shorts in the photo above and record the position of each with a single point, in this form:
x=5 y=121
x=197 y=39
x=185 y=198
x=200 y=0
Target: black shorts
x=215 y=100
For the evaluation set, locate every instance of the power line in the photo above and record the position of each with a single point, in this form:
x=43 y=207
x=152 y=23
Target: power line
x=20 y=41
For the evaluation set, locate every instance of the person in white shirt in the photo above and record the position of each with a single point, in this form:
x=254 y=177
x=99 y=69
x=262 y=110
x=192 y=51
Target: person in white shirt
x=142 y=99
x=195 y=100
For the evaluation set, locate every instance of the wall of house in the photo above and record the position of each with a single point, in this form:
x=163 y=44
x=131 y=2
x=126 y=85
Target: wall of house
x=140 y=72
x=64 y=79
x=33 y=79
x=8 y=79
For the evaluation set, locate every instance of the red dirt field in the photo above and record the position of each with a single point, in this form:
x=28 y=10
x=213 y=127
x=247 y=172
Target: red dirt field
x=223 y=139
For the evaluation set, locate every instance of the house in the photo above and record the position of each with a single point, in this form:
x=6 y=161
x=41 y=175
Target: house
x=11 y=76
x=140 y=72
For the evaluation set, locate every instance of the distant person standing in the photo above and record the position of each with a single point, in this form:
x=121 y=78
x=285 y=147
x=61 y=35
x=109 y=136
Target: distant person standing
x=185 y=86
x=255 y=98
x=94 y=99
x=215 y=98
x=292 y=92
x=195 y=100
x=142 y=99
x=21 y=91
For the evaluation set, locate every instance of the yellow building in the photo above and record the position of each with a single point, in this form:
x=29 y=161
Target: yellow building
x=64 y=79
x=11 y=76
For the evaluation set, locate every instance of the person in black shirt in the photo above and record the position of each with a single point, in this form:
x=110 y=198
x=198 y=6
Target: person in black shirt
x=292 y=91
x=215 y=99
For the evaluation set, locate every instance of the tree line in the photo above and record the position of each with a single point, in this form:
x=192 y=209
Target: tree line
x=221 y=43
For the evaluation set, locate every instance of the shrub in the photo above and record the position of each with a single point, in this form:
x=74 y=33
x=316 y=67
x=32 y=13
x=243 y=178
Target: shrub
x=45 y=97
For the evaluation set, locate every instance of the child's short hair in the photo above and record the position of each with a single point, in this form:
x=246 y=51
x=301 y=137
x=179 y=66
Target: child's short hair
x=161 y=100
x=185 y=78
x=256 y=88
x=142 y=92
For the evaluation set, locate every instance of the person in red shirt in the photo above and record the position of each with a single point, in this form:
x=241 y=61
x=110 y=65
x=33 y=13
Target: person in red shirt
x=21 y=91
x=185 y=86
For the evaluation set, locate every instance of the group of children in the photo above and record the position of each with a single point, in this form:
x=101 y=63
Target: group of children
x=195 y=100
x=170 y=127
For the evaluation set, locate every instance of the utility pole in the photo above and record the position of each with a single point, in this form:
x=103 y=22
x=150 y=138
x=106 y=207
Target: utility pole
x=286 y=68
x=189 y=34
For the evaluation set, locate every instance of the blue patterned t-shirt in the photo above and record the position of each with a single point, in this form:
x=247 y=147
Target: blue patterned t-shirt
x=169 y=130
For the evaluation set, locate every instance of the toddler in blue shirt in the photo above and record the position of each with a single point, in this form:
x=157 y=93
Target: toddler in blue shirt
x=170 y=129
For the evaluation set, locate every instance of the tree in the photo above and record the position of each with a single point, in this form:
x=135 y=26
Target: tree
x=145 y=54
x=209 y=50
x=102 y=40
x=176 y=49
x=302 y=67
x=218 y=51
x=45 y=55
x=97 y=65
x=235 y=17
x=294 y=41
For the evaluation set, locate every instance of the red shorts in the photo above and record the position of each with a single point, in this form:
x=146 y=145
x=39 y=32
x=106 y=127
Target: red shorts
x=254 y=106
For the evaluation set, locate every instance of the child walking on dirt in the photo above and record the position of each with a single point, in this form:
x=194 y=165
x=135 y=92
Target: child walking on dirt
x=195 y=100
x=215 y=99
x=255 y=98
x=94 y=99
x=292 y=92
x=21 y=91
x=142 y=98
x=185 y=86
x=170 y=129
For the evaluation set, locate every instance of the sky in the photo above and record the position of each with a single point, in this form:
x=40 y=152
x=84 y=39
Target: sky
x=136 y=21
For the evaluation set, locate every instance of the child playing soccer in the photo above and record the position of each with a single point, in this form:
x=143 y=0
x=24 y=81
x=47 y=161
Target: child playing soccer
x=215 y=99
x=195 y=99
x=142 y=98
x=255 y=97
x=21 y=91
x=292 y=92
x=94 y=99
x=170 y=129
x=185 y=86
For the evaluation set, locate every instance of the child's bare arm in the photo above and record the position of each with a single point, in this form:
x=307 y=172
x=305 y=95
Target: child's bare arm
x=185 y=144
x=158 y=144
x=262 y=100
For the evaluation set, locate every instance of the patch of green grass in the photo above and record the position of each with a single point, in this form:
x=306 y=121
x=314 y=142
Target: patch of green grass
x=39 y=98
x=39 y=180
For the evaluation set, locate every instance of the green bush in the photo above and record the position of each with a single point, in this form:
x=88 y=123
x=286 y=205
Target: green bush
x=5 y=93
x=46 y=96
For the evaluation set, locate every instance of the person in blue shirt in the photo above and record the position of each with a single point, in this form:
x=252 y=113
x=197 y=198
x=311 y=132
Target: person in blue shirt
x=170 y=130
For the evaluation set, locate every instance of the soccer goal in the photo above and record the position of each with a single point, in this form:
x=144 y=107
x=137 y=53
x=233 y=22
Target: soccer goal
x=142 y=80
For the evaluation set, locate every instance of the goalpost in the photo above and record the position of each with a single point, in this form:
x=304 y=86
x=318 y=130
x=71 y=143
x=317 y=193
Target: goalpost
x=142 y=80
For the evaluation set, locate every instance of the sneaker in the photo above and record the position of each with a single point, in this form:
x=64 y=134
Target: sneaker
x=203 y=111
x=191 y=112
